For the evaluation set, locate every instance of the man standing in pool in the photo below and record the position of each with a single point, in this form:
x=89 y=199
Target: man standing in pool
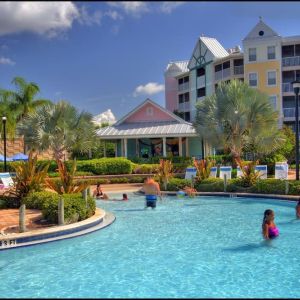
x=152 y=190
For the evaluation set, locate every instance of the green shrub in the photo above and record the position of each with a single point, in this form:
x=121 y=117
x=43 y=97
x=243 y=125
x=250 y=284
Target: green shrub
x=210 y=185
x=74 y=206
x=145 y=168
x=136 y=179
x=119 y=180
x=155 y=160
x=106 y=166
x=176 y=184
x=269 y=186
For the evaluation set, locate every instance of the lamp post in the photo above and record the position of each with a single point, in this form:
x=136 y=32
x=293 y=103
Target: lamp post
x=296 y=87
x=4 y=138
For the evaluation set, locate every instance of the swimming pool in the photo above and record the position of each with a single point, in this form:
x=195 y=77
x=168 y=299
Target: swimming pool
x=205 y=247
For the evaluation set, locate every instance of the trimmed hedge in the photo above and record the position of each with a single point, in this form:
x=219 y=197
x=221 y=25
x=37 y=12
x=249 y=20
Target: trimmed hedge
x=176 y=184
x=106 y=166
x=210 y=185
x=155 y=160
x=74 y=206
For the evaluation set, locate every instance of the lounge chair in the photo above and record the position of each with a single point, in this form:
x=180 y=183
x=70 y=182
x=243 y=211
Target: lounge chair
x=190 y=172
x=7 y=181
x=263 y=170
x=281 y=170
x=213 y=172
x=225 y=170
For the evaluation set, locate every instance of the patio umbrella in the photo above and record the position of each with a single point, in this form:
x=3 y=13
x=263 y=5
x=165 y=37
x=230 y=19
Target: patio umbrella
x=7 y=158
x=20 y=156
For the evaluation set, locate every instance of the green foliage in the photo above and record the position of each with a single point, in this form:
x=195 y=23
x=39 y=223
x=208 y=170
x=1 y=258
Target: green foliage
x=155 y=160
x=210 y=185
x=165 y=171
x=249 y=174
x=203 y=167
x=176 y=184
x=270 y=160
x=224 y=159
x=269 y=186
x=29 y=177
x=106 y=166
x=66 y=184
x=74 y=206
x=237 y=117
x=119 y=180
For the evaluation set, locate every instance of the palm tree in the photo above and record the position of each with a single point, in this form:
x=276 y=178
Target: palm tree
x=23 y=100
x=59 y=127
x=237 y=117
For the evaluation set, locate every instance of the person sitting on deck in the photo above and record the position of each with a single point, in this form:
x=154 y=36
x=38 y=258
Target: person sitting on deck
x=152 y=190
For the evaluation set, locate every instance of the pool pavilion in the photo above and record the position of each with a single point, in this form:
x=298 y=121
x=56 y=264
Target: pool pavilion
x=151 y=130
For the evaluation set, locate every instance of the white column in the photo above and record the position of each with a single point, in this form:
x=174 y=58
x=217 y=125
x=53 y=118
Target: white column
x=104 y=148
x=125 y=148
x=180 y=145
x=164 y=146
x=122 y=147
x=137 y=147
x=187 y=150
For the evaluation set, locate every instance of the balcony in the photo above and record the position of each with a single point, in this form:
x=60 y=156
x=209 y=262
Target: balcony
x=185 y=106
x=287 y=88
x=291 y=61
x=222 y=74
x=289 y=112
x=238 y=70
x=183 y=86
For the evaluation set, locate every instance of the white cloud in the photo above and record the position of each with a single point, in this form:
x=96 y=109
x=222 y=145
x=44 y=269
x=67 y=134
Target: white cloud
x=134 y=8
x=113 y=14
x=168 y=7
x=150 y=88
x=47 y=18
x=88 y=19
x=6 y=61
x=105 y=117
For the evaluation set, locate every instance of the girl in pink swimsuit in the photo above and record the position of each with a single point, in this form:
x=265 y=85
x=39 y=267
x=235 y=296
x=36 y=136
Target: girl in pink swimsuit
x=269 y=229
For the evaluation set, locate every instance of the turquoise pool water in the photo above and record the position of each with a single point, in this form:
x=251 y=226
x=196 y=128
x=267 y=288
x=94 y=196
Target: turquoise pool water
x=204 y=247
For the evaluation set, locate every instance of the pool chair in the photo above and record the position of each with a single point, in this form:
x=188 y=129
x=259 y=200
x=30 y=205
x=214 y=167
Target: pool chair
x=213 y=172
x=239 y=172
x=7 y=181
x=225 y=170
x=190 y=173
x=281 y=170
x=263 y=170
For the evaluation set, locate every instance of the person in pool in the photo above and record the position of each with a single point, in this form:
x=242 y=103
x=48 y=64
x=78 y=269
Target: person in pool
x=152 y=190
x=98 y=193
x=269 y=229
x=298 y=210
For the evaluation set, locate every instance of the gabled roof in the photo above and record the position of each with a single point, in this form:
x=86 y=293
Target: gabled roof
x=261 y=27
x=206 y=49
x=177 y=66
x=147 y=101
x=214 y=47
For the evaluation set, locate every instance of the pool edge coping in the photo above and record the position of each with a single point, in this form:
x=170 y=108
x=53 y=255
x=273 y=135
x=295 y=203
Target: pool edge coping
x=99 y=220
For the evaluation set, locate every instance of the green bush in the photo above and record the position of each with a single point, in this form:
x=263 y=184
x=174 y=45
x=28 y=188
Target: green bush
x=176 y=184
x=74 y=206
x=119 y=180
x=106 y=166
x=269 y=186
x=155 y=160
x=145 y=168
x=210 y=185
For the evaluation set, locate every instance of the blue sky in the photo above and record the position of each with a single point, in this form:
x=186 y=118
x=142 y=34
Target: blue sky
x=101 y=55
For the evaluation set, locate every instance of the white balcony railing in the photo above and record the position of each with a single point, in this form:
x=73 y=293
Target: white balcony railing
x=183 y=86
x=287 y=87
x=291 y=61
x=289 y=112
x=222 y=74
x=200 y=81
x=238 y=70
x=185 y=106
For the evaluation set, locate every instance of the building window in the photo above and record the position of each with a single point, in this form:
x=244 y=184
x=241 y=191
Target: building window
x=253 y=79
x=186 y=97
x=180 y=81
x=186 y=79
x=271 y=52
x=273 y=101
x=252 y=54
x=187 y=116
x=272 y=78
x=200 y=72
x=149 y=111
x=180 y=98
x=201 y=92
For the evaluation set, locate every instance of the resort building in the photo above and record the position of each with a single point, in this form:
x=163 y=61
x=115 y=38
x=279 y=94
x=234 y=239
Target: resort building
x=269 y=63
x=151 y=130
